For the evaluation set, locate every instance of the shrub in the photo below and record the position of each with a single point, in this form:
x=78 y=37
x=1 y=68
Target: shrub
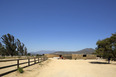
x=20 y=70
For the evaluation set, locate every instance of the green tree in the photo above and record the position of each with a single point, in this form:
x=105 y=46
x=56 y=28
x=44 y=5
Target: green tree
x=10 y=44
x=18 y=43
x=29 y=54
x=113 y=44
x=2 y=50
x=25 y=51
x=107 y=47
x=22 y=49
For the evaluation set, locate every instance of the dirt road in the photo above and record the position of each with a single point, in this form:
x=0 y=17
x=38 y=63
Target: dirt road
x=69 y=68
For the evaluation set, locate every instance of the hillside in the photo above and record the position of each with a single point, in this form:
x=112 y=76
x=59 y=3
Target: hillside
x=83 y=51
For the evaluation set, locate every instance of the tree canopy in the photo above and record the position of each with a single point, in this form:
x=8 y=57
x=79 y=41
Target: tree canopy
x=107 y=47
x=11 y=46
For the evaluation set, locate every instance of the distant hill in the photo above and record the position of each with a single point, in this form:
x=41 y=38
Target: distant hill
x=42 y=52
x=83 y=51
x=86 y=51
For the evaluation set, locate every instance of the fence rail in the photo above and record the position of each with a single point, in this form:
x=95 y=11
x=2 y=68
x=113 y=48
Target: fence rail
x=29 y=61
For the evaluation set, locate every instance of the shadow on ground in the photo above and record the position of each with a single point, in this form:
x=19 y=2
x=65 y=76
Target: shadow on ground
x=98 y=62
x=113 y=63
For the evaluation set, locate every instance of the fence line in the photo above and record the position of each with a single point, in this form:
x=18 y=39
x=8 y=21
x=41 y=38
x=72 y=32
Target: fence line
x=40 y=59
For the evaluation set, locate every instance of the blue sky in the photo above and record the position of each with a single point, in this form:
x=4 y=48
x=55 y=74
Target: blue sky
x=67 y=25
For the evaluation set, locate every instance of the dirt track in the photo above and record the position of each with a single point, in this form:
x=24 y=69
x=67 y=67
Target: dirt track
x=69 y=68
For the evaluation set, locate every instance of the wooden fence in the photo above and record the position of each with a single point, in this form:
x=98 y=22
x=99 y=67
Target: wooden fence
x=29 y=61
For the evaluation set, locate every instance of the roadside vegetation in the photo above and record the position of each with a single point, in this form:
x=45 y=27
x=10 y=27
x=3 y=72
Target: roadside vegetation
x=20 y=70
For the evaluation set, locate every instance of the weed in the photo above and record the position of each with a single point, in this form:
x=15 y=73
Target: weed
x=20 y=70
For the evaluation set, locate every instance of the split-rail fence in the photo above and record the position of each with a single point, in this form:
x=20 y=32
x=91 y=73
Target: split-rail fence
x=29 y=63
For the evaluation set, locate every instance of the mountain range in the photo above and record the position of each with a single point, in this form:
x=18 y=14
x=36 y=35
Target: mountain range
x=83 y=51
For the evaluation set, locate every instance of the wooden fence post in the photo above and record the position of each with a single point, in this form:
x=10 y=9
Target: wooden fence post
x=41 y=58
x=28 y=62
x=38 y=59
x=34 y=61
x=44 y=58
x=17 y=63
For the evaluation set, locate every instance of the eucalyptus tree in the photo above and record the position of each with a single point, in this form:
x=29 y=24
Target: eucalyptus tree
x=18 y=43
x=2 y=50
x=22 y=49
x=25 y=51
x=10 y=44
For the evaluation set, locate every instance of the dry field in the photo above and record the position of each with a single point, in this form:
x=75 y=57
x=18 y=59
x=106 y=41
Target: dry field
x=68 y=68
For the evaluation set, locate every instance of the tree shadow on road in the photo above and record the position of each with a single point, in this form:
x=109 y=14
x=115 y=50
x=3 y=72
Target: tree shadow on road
x=98 y=62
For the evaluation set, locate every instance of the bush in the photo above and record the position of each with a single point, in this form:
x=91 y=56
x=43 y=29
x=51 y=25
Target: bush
x=20 y=70
x=19 y=57
x=3 y=57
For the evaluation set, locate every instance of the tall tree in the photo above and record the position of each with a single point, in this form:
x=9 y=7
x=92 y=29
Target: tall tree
x=18 y=43
x=10 y=44
x=22 y=49
x=2 y=50
x=25 y=51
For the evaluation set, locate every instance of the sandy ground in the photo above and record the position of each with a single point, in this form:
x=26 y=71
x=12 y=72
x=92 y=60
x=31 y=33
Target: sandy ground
x=68 y=68
x=14 y=67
